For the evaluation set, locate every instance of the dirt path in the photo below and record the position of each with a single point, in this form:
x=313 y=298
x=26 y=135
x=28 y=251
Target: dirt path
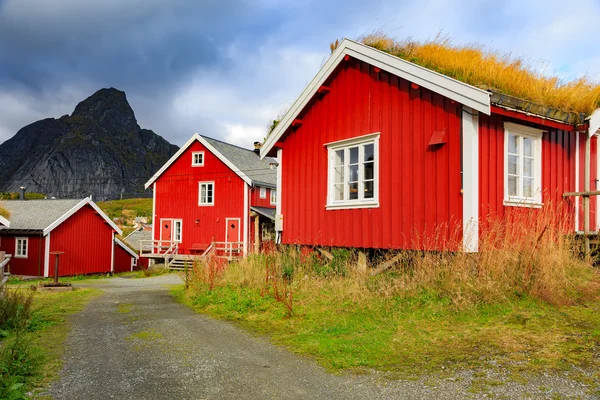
x=136 y=342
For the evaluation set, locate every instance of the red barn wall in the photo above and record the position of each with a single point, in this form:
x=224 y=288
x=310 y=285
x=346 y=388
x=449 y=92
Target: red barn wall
x=558 y=169
x=33 y=265
x=86 y=239
x=177 y=197
x=419 y=186
x=122 y=260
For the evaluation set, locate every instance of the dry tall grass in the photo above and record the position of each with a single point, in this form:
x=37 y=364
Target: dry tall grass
x=4 y=213
x=502 y=72
x=524 y=254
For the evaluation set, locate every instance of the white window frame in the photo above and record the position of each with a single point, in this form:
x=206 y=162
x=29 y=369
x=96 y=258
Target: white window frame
x=344 y=144
x=273 y=197
x=20 y=254
x=522 y=131
x=200 y=184
x=194 y=163
x=174 y=237
x=262 y=192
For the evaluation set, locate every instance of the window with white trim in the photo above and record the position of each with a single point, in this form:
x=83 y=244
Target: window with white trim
x=197 y=159
x=522 y=165
x=206 y=193
x=263 y=193
x=177 y=230
x=21 y=247
x=273 y=197
x=353 y=179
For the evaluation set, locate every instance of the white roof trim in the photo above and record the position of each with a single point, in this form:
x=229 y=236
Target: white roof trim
x=87 y=200
x=4 y=221
x=595 y=122
x=451 y=88
x=210 y=148
x=125 y=247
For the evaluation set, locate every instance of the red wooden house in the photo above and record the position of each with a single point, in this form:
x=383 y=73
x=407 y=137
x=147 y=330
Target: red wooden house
x=125 y=259
x=76 y=227
x=378 y=152
x=212 y=192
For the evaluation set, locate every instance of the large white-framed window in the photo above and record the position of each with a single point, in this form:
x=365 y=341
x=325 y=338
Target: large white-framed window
x=197 y=159
x=263 y=192
x=273 y=199
x=21 y=247
x=177 y=230
x=206 y=193
x=353 y=172
x=522 y=165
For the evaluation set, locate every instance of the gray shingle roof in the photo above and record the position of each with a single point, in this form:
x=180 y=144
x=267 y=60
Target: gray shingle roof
x=36 y=215
x=264 y=211
x=247 y=161
x=133 y=239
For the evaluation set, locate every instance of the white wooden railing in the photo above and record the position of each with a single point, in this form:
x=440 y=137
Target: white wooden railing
x=4 y=260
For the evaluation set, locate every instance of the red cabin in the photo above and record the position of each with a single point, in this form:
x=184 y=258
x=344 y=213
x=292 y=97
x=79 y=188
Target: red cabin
x=76 y=227
x=212 y=194
x=378 y=152
x=126 y=259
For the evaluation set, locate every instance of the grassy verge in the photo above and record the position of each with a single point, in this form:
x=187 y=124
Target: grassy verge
x=31 y=356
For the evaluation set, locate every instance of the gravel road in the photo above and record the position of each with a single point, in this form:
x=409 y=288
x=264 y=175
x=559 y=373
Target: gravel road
x=136 y=342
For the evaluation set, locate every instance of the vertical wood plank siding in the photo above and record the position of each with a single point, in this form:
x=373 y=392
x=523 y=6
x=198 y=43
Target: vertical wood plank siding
x=419 y=185
x=122 y=260
x=177 y=197
x=86 y=240
x=33 y=265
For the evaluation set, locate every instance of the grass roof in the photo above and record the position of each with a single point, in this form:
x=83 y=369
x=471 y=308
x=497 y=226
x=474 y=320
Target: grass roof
x=4 y=213
x=490 y=70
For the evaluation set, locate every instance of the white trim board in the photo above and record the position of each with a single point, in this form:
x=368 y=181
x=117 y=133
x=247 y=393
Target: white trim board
x=594 y=122
x=126 y=248
x=453 y=89
x=47 y=257
x=87 y=200
x=4 y=221
x=470 y=167
x=209 y=147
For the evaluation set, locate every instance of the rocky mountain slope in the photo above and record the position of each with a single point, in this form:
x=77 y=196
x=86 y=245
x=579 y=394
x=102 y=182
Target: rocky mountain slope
x=99 y=150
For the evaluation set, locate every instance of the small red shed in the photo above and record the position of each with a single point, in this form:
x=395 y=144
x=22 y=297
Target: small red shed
x=79 y=228
x=126 y=259
x=213 y=192
x=378 y=152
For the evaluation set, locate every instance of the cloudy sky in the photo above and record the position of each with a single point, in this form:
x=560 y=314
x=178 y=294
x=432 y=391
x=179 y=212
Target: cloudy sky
x=225 y=68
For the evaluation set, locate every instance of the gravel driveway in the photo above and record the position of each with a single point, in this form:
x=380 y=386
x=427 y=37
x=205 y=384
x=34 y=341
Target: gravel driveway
x=136 y=342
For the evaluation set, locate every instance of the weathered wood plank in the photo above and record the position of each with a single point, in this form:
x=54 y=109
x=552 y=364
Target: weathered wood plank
x=384 y=266
x=325 y=253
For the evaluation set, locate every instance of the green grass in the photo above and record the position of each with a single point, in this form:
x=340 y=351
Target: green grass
x=129 y=207
x=408 y=337
x=40 y=346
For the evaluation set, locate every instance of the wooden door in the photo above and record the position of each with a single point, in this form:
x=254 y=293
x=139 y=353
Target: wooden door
x=232 y=234
x=166 y=233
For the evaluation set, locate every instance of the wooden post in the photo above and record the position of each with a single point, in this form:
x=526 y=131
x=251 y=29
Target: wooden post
x=586 y=199
x=362 y=261
x=256 y=234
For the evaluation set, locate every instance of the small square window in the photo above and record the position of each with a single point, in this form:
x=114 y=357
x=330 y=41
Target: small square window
x=263 y=193
x=21 y=247
x=206 y=194
x=198 y=159
x=522 y=165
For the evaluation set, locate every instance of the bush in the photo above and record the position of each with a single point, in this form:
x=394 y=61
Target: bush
x=15 y=309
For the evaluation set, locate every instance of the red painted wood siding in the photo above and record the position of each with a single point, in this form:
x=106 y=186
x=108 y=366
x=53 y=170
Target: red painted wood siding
x=122 y=260
x=419 y=186
x=558 y=168
x=86 y=239
x=255 y=199
x=177 y=197
x=33 y=265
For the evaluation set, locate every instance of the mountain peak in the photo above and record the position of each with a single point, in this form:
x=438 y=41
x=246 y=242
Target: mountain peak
x=108 y=107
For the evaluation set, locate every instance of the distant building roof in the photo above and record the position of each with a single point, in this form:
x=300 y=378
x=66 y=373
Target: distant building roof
x=244 y=162
x=264 y=211
x=133 y=239
x=44 y=215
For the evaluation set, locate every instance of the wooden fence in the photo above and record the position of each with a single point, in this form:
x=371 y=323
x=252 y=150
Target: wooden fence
x=4 y=259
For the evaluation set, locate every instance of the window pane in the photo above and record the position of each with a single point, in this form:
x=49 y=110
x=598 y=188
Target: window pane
x=338 y=191
x=512 y=144
x=528 y=147
x=369 y=170
x=202 y=193
x=527 y=187
x=353 y=173
x=353 y=188
x=528 y=167
x=209 y=196
x=512 y=185
x=512 y=165
x=339 y=157
x=369 y=152
x=338 y=175
x=354 y=155
x=369 y=193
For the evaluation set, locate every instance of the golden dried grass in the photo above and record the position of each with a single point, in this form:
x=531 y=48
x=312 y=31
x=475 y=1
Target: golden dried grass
x=491 y=70
x=4 y=213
